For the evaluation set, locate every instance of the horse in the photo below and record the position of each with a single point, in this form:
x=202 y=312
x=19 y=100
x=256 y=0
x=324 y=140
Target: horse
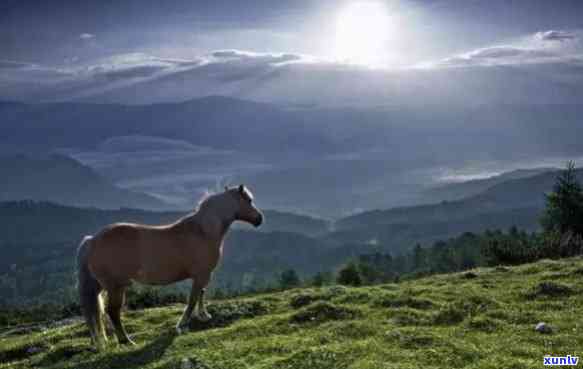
x=189 y=248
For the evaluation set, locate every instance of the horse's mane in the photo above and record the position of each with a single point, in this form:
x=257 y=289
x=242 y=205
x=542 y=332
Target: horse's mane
x=201 y=201
x=204 y=198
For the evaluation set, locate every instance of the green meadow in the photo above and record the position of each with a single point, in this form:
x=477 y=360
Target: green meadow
x=483 y=318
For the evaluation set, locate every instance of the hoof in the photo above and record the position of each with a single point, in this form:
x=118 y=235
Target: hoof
x=204 y=316
x=181 y=329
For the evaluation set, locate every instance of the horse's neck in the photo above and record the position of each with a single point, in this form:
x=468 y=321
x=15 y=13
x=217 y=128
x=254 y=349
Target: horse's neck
x=212 y=226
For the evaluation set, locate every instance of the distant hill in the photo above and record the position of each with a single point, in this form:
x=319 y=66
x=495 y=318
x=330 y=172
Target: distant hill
x=512 y=194
x=63 y=180
x=519 y=202
x=457 y=191
x=289 y=222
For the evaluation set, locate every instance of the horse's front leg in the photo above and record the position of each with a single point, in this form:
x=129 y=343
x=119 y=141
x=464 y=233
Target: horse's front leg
x=201 y=313
x=192 y=300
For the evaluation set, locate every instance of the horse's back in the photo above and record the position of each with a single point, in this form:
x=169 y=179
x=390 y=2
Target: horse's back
x=126 y=251
x=115 y=253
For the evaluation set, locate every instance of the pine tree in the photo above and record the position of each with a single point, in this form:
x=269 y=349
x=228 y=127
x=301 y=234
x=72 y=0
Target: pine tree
x=289 y=279
x=418 y=258
x=564 y=210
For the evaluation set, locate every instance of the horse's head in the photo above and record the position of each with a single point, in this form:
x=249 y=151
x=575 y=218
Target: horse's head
x=246 y=210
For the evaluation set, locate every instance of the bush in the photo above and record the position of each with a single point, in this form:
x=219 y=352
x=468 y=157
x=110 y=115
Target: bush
x=349 y=275
x=289 y=279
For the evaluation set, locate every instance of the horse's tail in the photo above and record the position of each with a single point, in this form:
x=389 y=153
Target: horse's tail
x=90 y=293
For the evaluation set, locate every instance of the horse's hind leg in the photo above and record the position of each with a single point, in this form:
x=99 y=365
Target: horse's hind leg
x=115 y=300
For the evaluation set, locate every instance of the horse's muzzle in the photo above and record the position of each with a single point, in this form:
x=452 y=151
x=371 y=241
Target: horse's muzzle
x=258 y=221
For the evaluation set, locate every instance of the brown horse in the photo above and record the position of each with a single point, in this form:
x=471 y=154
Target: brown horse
x=190 y=248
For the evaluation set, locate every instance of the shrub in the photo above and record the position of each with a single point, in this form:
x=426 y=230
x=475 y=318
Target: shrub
x=289 y=279
x=350 y=275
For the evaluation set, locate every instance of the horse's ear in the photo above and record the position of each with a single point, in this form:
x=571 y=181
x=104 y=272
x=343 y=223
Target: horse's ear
x=241 y=188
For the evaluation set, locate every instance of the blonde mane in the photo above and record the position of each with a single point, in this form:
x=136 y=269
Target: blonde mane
x=204 y=198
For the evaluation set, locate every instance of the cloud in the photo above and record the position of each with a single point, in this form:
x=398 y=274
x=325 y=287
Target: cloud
x=545 y=47
x=539 y=73
x=555 y=36
x=8 y=64
x=499 y=55
x=269 y=58
x=86 y=36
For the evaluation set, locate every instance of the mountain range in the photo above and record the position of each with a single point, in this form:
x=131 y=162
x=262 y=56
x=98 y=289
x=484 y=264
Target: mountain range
x=322 y=161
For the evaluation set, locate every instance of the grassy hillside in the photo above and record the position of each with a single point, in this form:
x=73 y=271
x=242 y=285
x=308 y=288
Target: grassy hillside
x=484 y=318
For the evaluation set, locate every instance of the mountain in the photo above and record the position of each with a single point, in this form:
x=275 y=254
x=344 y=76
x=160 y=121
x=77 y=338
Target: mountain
x=470 y=319
x=218 y=122
x=322 y=161
x=456 y=191
x=515 y=202
x=525 y=192
x=278 y=221
x=61 y=179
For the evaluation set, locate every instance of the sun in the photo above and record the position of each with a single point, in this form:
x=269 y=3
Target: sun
x=361 y=32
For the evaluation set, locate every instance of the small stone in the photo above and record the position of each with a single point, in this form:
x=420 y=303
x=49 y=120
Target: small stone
x=543 y=328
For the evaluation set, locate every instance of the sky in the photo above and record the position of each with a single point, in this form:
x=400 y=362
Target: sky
x=372 y=53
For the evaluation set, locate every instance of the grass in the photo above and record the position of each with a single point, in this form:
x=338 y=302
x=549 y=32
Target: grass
x=484 y=319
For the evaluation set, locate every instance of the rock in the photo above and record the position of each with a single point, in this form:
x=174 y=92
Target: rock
x=543 y=328
x=469 y=275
